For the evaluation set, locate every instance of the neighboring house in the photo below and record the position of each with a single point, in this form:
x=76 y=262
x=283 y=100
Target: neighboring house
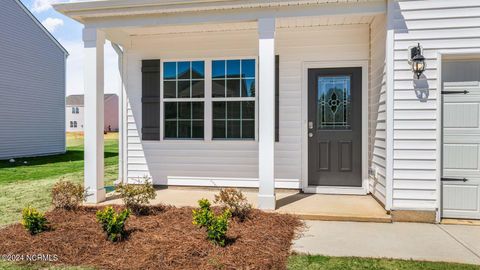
x=75 y=113
x=32 y=85
x=313 y=95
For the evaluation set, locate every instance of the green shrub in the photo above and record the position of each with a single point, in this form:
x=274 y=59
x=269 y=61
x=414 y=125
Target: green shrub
x=234 y=200
x=67 y=195
x=137 y=196
x=203 y=216
x=113 y=223
x=216 y=226
x=217 y=229
x=33 y=220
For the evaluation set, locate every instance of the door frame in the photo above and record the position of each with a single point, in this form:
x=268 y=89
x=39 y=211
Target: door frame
x=441 y=55
x=364 y=189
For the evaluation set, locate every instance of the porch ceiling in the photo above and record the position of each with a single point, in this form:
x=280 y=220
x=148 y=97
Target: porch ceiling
x=281 y=23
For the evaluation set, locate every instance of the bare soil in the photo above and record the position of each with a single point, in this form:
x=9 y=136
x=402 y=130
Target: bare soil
x=165 y=239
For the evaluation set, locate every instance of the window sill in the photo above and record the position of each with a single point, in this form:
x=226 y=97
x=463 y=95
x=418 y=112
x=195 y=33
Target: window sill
x=199 y=141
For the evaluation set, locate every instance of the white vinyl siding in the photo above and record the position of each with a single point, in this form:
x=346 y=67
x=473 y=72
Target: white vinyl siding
x=32 y=87
x=437 y=25
x=377 y=109
x=234 y=163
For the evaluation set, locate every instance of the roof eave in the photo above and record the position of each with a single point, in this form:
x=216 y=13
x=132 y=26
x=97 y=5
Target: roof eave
x=83 y=11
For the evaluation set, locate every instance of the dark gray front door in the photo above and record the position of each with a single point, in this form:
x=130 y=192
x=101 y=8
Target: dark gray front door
x=335 y=127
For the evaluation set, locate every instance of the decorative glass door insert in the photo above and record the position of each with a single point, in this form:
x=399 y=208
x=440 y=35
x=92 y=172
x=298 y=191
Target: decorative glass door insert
x=334 y=102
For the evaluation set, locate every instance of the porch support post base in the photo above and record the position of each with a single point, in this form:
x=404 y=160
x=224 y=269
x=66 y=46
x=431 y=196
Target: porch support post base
x=266 y=141
x=266 y=202
x=94 y=41
x=95 y=196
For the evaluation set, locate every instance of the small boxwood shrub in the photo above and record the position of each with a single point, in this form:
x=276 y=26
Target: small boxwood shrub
x=33 y=220
x=216 y=226
x=235 y=201
x=137 y=196
x=203 y=216
x=67 y=195
x=113 y=223
x=217 y=230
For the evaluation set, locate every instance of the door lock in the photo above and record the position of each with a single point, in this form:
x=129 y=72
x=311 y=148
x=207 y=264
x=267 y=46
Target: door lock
x=310 y=125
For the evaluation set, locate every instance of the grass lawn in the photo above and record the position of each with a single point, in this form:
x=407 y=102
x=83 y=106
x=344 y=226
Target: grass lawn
x=10 y=266
x=23 y=184
x=307 y=262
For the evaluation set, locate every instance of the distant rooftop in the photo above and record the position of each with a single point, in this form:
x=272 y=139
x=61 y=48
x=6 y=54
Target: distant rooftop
x=78 y=100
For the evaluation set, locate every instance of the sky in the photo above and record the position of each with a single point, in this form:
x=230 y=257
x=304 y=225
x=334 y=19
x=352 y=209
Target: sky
x=69 y=33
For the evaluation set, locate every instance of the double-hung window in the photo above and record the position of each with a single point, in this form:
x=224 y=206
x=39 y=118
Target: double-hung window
x=233 y=99
x=230 y=99
x=184 y=99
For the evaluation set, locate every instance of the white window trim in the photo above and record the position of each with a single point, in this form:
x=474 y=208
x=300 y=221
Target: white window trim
x=191 y=99
x=207 y=99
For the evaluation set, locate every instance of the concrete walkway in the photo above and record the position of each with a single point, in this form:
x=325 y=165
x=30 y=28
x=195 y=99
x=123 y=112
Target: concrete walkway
x=430 y=242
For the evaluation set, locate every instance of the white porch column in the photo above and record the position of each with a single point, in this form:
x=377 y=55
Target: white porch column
x=266 y=96
x=94 y=41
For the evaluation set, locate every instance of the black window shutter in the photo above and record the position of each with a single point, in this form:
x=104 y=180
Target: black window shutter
x=151 y=100
x=277 y=98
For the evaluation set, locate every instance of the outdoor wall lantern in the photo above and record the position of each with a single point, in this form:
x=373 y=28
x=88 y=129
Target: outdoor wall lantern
x=417 y=60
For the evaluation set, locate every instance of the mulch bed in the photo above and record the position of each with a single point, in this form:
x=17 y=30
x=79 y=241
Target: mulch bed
x=165 y=239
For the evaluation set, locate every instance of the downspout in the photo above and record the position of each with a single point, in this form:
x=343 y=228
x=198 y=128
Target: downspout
x=121 y=115
x=390 y=104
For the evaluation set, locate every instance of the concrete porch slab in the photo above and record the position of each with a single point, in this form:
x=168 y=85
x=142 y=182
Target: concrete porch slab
x=306 y=206
x=333 y=207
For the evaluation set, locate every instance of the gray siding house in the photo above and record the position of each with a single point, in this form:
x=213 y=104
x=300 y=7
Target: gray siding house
x=32 y=85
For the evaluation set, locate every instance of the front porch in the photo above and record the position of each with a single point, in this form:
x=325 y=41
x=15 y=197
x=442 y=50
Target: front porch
x=306 y=206
x=252 y=83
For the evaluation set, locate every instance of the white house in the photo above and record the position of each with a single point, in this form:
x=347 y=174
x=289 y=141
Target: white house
x=315 y=95
x=75 y=113
x=32 y=85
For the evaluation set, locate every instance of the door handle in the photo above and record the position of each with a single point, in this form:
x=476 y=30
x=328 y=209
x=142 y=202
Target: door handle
x=454 y=179
x=455 y=92
x=310 y=134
